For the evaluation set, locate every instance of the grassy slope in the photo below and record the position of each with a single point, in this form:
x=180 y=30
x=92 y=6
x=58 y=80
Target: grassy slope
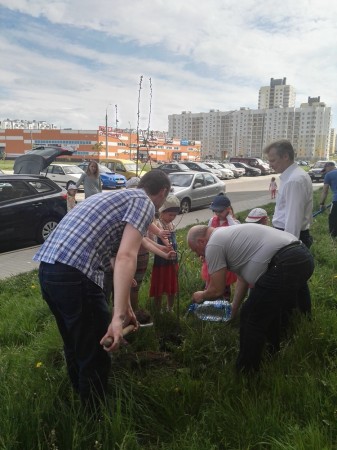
x=174 y=386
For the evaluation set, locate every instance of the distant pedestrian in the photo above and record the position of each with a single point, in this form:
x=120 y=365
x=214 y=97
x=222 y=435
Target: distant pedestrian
x=258 y=215
x=91 y=180
x=273 y=187
x=330 y=180
x=71 y=196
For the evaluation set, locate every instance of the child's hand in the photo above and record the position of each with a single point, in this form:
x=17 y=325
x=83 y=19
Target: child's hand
x=133 y=283
x=164 y=234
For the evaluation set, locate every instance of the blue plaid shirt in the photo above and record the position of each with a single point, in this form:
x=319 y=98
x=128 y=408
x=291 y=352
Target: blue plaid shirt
x=90 y=234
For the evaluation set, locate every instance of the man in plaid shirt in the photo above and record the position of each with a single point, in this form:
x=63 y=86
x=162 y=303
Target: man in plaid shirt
x=73 y=261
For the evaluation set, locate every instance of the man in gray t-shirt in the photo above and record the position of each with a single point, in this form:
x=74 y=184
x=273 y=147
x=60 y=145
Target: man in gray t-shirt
x=273 y=263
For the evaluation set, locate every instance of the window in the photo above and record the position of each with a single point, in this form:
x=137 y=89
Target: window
x=209 y=179
x=41 y=186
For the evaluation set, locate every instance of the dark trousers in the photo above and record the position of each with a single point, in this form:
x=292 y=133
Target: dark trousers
x=275 y=292
x=303 y=295
x=82 y=317
x=333 y=220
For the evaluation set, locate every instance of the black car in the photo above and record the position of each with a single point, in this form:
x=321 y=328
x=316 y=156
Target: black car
x=30 y=208
x=198 y=166
x=250 y=171
x=173 y=167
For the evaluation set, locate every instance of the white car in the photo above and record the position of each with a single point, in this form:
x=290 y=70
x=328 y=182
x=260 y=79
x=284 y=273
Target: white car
x=226 y=174
x=238 y=171
x=63 y=173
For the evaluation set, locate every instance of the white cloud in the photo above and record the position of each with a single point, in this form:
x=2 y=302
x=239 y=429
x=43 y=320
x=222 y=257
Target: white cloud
x=69 y=59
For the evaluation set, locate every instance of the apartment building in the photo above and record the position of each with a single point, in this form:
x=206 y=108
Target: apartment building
x=247 y=131
x=277 y=94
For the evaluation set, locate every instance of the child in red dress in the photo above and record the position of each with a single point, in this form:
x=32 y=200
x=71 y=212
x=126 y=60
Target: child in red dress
x=164 y=277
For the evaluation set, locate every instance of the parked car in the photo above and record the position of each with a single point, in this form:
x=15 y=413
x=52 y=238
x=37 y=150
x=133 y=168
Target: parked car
x=124 y=167
x=257 y=163
x=249 y=171
x=237 y=171
x=316 y=172
x=62 y=174
x=198 y=166
x=173 y=167
x=225 y=174
x=31 y=206
x=195 y=189
x=109 y=179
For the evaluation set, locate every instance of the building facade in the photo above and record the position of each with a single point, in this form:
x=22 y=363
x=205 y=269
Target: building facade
x=245 y=132
x=89 y=144
x=277 y=94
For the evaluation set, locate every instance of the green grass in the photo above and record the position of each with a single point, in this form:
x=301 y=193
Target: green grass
x=174 y=386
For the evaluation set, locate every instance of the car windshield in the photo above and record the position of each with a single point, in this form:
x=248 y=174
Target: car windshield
x=104 y=169
x=180 y=179
x=131 y=167
x=183 y=167
x=319 y=164
x=72 y=169
x=217 y=166
x=203 y=166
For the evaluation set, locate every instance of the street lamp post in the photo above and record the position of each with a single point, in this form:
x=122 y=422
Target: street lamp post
x=130 y=151
x=106 y=132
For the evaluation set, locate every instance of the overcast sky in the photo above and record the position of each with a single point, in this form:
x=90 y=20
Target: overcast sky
x=68 y=62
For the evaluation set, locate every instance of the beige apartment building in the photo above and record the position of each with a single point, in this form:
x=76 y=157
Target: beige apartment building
x=247 y=131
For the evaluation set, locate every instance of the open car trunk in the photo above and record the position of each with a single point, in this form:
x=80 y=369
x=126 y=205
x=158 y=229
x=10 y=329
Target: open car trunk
x=38 y=159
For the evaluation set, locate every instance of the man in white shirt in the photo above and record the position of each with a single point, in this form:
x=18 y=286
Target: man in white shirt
x=293 y=210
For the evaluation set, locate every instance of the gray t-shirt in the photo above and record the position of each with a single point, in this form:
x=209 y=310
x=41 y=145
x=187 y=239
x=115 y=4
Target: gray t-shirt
x=245 y=249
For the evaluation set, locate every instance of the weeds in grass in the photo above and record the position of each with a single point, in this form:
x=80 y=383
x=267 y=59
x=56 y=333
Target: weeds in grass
x=174 y=386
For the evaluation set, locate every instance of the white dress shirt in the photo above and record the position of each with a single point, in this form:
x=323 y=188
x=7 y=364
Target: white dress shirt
x=293 y=210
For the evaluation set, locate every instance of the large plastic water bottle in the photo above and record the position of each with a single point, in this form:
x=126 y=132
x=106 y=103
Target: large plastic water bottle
x=213 y=311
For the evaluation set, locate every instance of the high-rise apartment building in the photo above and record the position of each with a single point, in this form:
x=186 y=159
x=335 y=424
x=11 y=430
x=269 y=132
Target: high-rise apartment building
x=247 y=131
x=278 y=93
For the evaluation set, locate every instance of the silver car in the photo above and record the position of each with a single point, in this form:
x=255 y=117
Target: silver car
x=195 y=189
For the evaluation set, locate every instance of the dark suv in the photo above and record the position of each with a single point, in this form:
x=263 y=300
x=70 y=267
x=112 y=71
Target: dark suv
x=30 y=208
x=316 y=173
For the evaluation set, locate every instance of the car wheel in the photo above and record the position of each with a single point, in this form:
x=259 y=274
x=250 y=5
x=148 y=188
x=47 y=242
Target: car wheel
x=45 y=229
x=185 y=206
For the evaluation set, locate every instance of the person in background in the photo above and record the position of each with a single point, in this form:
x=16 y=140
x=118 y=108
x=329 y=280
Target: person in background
x=223 y=217
x=257 y=215
x=273 y=263
x=273 y=187
x=71 y=196
x=293 y=209
x=164 y=276
x=91 y=180
x=72 y=264
x=330 y=181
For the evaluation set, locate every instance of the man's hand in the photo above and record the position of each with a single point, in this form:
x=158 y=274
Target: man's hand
x=197 y=297
x=115 y=331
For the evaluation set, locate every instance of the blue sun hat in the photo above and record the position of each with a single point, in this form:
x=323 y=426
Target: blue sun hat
x=220 y=203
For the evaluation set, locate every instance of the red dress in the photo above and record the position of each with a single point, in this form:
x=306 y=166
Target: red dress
x=164 y=276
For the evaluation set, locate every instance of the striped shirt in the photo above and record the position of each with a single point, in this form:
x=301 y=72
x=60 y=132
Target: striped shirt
x=90 y=234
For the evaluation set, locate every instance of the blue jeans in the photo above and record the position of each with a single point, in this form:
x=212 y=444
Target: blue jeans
x=82 y=317
x=274 y=293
